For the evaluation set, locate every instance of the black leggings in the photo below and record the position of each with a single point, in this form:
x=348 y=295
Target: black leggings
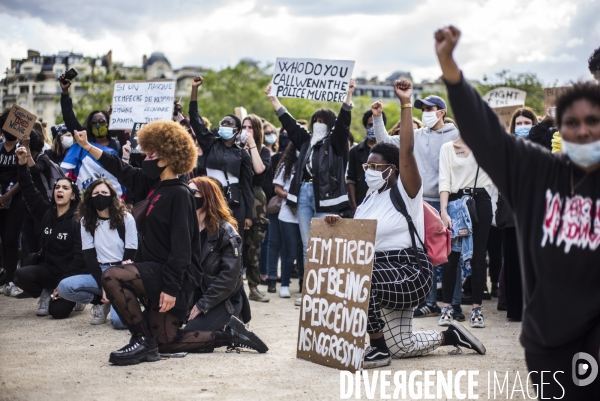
x=11 y=221
x=123 y=286
x=512 y=275
x=33 y=279
x=494 y=249
x=478 y=265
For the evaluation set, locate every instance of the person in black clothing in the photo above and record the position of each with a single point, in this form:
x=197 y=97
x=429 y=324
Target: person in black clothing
x=167 y=268
x=252 y=138
x=96 y=124
x=355 y=182
x=62 y=141
x=318 y=187
x=225 y=160
x=60 y=255
x=554 y=204
x=12 y=209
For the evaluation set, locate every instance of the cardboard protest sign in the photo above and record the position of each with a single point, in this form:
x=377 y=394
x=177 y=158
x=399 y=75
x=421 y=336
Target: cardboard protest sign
x=550 y=96
x=337 y=284
x=141 y=101
x=19 y=122
x=311 y=78
x=505 y=114
x=240 y=112
x=502 y=97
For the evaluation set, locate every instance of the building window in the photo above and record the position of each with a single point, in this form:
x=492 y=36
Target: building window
x=24 y=89
x=40 y=108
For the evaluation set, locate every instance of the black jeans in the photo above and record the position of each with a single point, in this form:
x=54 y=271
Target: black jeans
x=31 y=229
x=217 y=317
x=11 y=221
x=494 y=249
x=478 y=265
x=33 y=279
x=561 y=359
x=512 y=275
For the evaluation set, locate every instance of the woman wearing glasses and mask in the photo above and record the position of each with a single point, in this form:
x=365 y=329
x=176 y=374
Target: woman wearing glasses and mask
x=402 y=272
x=96 y=123
x=225 y=160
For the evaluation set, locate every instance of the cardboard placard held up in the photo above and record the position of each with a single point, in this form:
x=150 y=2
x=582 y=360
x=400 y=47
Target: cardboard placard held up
x=505 y=114
x=550 y=96
x=19 y=122
x=141 y=101
x=335 y=301
x=503 y=96
x=311 y=78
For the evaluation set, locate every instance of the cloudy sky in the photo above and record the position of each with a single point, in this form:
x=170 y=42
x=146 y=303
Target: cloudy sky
x=552 y=38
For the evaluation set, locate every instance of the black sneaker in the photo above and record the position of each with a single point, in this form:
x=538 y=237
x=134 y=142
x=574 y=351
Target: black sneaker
x=424 y=310
x=272 y=285
x=244 y=338
x=376 y=358
x=140 y=349
x=466 y=339
x=458 y=313
x=494 y=290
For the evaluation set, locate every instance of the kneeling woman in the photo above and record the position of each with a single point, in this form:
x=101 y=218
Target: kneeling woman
x=402 y=273
x=108 y=237
x=169 y=269
x=221 y=291
x=60 y=255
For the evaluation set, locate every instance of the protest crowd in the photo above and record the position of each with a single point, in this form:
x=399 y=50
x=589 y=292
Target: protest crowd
x=158 y=227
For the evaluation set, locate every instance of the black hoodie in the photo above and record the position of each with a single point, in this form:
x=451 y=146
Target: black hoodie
x=61 y=236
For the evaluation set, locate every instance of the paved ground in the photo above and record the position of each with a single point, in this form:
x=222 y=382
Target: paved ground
x=47 y=359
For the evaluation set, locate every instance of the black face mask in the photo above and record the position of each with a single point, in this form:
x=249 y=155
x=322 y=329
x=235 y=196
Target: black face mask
x=9 y=137
x=151 y=169
x=101 y=202
x=199 y=202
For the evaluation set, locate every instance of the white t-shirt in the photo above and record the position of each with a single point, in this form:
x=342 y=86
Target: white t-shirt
x=285 y=214
x=392 y=227
x=109 y=246
x=219 y=175
x=458 y=173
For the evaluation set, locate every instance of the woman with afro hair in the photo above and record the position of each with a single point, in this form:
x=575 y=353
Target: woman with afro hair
x=167 y=269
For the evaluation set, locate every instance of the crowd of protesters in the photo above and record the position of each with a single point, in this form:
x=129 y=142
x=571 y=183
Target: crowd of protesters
x=164 y=240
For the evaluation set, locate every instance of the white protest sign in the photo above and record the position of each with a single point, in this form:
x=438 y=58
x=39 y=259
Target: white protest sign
x=141 y=101
x=335 y=300
x=502 y=97
x=311 y=78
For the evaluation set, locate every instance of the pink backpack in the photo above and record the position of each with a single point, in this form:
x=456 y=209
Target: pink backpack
x=437 y=237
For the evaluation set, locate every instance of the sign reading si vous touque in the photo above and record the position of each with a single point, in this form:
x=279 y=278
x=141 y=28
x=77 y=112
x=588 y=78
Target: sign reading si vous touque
x=311 y=78
x=335 y=300
x=141 y=102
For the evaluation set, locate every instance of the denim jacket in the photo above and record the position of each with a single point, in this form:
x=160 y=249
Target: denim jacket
x=461 y=220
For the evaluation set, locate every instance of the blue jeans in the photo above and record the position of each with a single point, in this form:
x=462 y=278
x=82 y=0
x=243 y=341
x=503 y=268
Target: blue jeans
x=273 y=246
x=432 y=297
x=82 y=288
x=290 y=249
x=307 y=209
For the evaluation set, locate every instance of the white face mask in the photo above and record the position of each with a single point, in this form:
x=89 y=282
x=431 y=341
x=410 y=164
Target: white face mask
x=243 y=136
x=67 y=141
x=319 y=133
x=430 y=118
x=375 y=180
x=584 y=155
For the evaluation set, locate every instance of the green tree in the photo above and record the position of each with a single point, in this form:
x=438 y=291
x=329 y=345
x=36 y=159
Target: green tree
x=527 y=81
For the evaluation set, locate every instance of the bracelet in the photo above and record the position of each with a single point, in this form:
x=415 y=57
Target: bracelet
x=253 y=147
x=125 y=158
x=406 y=106
x=89 y=148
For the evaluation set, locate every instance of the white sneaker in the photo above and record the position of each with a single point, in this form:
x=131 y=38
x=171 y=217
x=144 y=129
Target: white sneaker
x=284 y=292
x=44 y=303
x=11 y=290
x=79 y=307
x=99 y=313
x=298 y=302
x=477 y=318
x=447 y=316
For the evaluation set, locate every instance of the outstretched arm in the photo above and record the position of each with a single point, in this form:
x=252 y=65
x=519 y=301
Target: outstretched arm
x=409 y=171
x=297 y=133
x=205 y=138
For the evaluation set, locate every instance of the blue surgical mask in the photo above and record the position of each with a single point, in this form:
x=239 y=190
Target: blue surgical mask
x=584 y=155
x=522 y=131
x=297 y=153
x=371 y=133
x=226 y=132
x=270 y=139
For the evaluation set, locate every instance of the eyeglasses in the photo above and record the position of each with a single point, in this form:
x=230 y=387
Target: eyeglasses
x=101 y=122
x=374 y=166
x=227 y=122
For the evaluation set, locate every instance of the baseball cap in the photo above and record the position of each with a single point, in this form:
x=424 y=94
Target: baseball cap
x=431 y=101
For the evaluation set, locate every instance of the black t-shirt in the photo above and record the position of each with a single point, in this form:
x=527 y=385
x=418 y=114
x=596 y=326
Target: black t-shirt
x=8 y=166
x=259 y=179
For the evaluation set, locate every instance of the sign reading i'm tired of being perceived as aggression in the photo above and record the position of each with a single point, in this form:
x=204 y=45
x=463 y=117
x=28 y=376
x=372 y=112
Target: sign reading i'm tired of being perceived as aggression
x=19 y=122
x=335 y=297
x=311 y=78
x=141 y=102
